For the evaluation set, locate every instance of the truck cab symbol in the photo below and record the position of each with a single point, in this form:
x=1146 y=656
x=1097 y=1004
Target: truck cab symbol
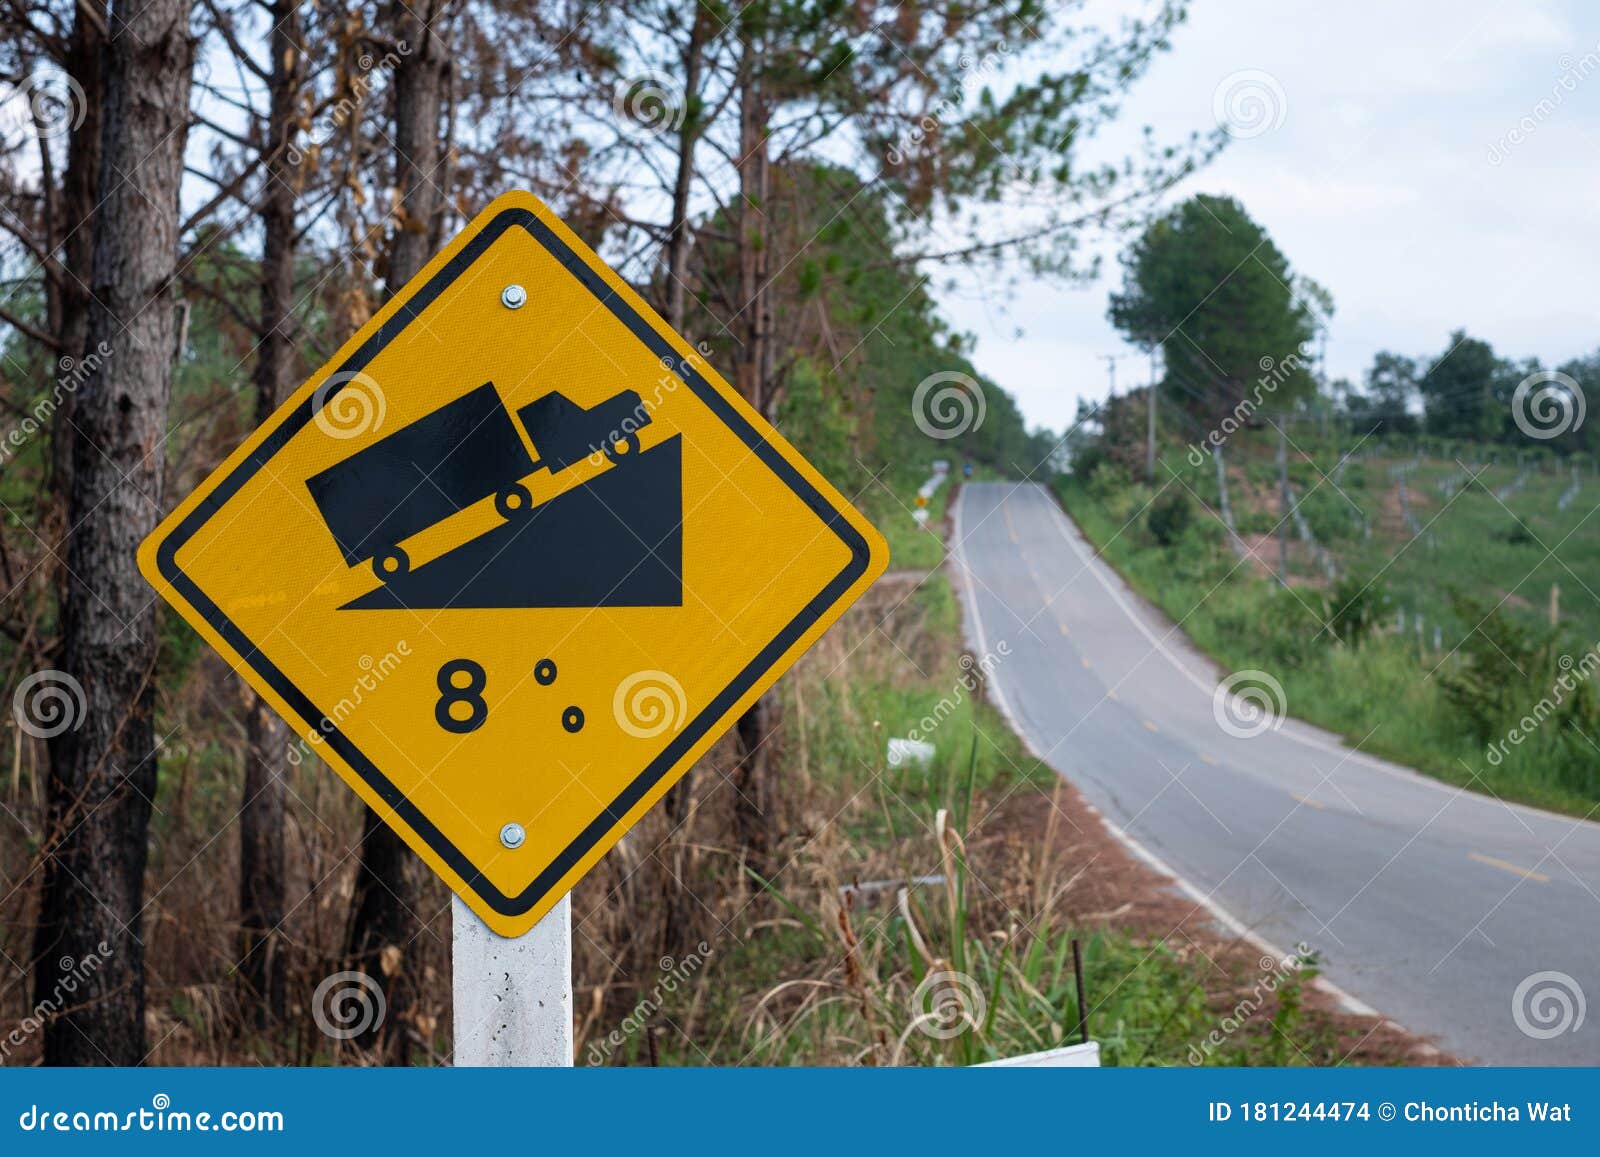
x=563 y=432
x=463 y=452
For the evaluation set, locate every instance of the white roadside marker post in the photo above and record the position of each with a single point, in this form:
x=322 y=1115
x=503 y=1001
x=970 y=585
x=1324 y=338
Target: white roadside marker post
x=513 y=997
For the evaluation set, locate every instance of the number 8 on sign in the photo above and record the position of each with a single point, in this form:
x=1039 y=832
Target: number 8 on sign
x=451 y=692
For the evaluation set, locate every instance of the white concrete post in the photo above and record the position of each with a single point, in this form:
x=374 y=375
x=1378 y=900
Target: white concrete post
x=513 y=997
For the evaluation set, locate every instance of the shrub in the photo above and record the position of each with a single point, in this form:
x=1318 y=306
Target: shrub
x=1504 y=666
x=1354 y=607
x=1169 y=516
x=1517 y=535
x=1108 y=479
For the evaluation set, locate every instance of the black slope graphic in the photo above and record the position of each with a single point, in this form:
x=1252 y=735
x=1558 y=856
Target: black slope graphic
x=615 y=541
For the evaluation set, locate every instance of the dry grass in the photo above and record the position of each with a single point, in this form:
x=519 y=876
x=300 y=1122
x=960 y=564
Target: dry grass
x=684 y=953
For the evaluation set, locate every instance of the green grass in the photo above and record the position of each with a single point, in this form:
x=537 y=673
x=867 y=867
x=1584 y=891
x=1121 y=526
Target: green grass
x=1149 y=1006
x=888 y=503
x=1476 y=544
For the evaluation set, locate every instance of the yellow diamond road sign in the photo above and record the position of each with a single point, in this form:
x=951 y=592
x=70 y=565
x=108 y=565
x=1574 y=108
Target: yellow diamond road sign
x=513 y=560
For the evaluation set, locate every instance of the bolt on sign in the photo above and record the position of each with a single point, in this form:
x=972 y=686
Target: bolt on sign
x=513 y=560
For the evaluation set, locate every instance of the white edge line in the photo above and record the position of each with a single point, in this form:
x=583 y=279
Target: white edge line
x=1347 y=1001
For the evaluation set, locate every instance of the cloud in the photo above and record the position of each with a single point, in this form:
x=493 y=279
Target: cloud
x=1376 y=183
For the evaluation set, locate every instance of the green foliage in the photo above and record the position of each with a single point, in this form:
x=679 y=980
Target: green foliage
x=1286 y=1021
x=1330 y=514
x=815 y=416
x=851 y=380
x=1517 y=534
x=1354 y=607
x=1169 y=516
x=180 y=647
x=1504 y=663
x=1385 y=407
x=1469 y=399
x=1459 y=387
x=1585 y=436
x=1208 y=267
x=1106 y=479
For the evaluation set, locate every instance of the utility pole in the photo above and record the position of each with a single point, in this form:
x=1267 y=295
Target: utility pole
x=1150 y=424
x=1111 y=365
x=1283 y=525
x=1222 y=488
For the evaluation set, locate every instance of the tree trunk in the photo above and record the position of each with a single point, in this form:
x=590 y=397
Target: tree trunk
x=750 y=357
x=263 y=949
x=676 y=296
x=755 y=810
x=754 y=819
x=675 y=900
x=262 y=964
x=103 y=766
x=389 y=882
x=418 y=86
x=84 y=62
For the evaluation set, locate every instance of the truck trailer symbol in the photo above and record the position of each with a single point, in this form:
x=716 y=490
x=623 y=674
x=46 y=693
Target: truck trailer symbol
x=461 y=453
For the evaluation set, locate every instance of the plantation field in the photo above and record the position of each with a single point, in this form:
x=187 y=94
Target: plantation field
x=1491 y=533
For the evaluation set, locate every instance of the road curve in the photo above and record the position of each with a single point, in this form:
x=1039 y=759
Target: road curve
x=1436 y=906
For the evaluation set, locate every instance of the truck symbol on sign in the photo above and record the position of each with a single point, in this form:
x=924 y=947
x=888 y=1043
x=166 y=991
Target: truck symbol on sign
x=463 y=452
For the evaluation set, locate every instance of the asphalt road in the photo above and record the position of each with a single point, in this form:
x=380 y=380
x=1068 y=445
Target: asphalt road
x=1431 y=904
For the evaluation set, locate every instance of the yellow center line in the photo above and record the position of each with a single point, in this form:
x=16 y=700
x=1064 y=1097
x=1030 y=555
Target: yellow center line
x=1309 y=802
x=1084 y=660
x=1063 y=627
x=1204 y=758
x=1111 y=694
x=1148 y=726
x=1526 y=874
x=1005 y=512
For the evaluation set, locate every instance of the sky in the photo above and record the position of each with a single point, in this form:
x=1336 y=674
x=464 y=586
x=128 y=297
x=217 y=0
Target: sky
x=1431 y=164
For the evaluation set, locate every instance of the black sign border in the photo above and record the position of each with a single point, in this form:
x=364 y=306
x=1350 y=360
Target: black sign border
x=613 y=814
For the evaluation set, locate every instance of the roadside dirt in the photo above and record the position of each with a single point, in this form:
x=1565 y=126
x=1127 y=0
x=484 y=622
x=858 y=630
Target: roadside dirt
x=1262 y=553
x=1112 y=888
